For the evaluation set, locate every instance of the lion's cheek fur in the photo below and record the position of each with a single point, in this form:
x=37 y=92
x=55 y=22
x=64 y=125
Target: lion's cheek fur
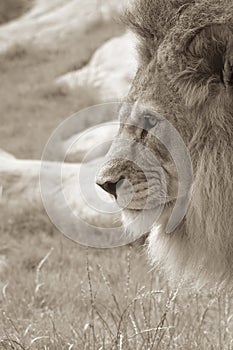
x=199 y=250
x=168 y=252
x=182 y=258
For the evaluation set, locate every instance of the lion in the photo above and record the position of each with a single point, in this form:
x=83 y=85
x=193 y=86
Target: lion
x=185 y=75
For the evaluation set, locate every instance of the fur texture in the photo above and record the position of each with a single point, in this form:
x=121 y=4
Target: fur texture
x=186 y=73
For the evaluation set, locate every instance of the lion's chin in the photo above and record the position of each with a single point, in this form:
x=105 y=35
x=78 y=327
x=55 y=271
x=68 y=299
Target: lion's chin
x=137 y=223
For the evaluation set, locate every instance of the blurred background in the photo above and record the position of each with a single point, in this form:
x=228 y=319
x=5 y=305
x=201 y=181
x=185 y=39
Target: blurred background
x=45 y=46
x=56 y=58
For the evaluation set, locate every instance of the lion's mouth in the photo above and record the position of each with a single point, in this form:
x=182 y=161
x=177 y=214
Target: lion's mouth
x=158 y=206
x=146 y=203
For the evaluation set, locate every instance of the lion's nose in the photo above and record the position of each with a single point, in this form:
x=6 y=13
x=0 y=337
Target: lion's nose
x=111 y=187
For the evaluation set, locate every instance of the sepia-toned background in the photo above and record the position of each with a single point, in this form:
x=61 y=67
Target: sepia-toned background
x=56 y=58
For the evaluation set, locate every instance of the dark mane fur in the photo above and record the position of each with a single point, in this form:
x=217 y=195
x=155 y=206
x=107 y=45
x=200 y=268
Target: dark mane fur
x=152 y=18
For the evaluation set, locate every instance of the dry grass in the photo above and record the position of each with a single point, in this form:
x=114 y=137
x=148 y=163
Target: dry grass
x=58 y=295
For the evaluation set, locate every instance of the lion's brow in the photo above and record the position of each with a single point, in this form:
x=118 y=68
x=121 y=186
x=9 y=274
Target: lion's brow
x=152 y=18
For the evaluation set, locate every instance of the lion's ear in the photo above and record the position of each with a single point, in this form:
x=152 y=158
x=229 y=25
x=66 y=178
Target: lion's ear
x=209 y=58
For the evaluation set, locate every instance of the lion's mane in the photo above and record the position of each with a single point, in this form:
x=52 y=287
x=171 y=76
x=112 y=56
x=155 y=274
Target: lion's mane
x=193 y=48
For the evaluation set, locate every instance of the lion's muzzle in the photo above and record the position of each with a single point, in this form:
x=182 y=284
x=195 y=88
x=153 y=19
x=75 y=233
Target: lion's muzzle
x=109 y=183
x=129 y=184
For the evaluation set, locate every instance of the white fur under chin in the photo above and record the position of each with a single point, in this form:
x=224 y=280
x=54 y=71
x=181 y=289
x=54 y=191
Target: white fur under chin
x=181 y=262
x=170 y=255
x=164 y=251
x=159 y=253
x=181 y=258
x=137 y=223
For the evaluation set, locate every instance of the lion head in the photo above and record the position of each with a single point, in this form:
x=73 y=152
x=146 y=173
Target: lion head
x=185 y=79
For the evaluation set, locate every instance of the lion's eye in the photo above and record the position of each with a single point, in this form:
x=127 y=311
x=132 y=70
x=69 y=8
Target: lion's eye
x=150 y=121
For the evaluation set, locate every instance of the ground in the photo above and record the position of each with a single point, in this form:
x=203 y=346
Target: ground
x=55 y=294
x=58 y=295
